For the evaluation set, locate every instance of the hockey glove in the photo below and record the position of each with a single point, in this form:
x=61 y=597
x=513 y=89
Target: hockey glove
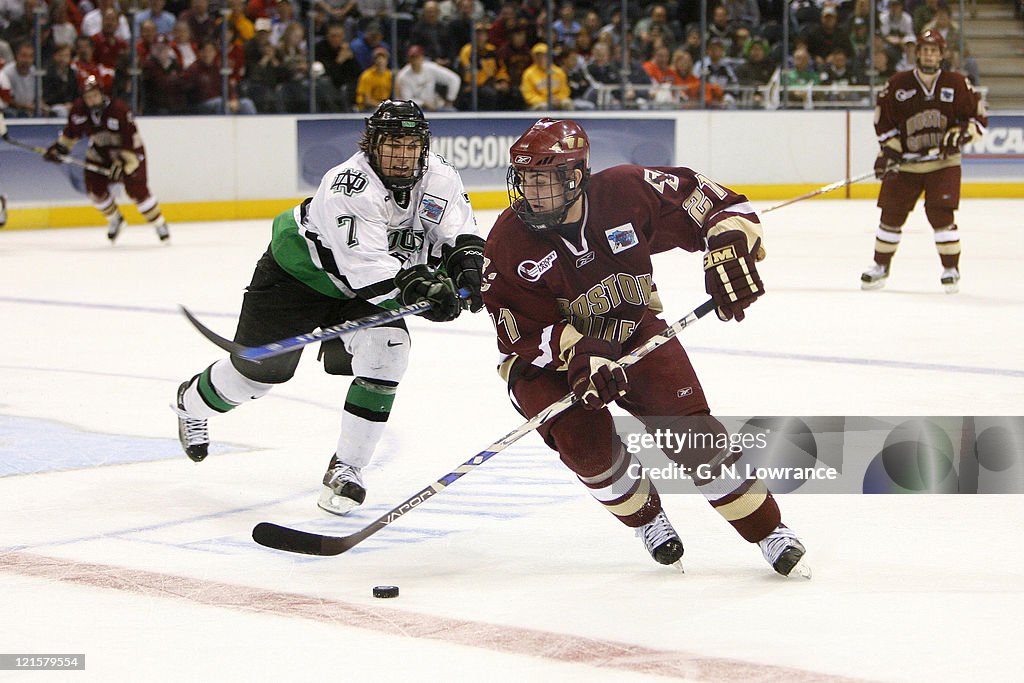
x=464 y=263
x=422 y=283
x=56 y=152
x=730 y=273
x=954 y=140
x=116 y=169
x=887 y=162
x=594 y=376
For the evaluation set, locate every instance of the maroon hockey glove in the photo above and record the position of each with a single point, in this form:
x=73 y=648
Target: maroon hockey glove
x=464 y=263
x=730 y=273
x=56 y=152
x=887 y=162
x=423 y=283
x=116 y=171
x=954 y=140
x=594 y=376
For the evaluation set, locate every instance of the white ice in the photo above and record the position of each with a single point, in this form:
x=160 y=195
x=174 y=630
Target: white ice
x=113 y=544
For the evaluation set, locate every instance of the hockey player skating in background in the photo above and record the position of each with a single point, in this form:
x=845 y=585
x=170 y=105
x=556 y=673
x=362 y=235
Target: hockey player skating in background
x=917 y=113
x=366 y=240
x=3 y=197
x=115 y=143
x=569 y=286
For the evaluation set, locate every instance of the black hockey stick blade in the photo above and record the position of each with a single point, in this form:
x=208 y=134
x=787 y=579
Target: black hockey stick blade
x=226 y=344
x=295 y=541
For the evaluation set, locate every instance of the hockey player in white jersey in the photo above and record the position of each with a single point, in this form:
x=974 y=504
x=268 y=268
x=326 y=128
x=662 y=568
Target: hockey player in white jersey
x=390 y=226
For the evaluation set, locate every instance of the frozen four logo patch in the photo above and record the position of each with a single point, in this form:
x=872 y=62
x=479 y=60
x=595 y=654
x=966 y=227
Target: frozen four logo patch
x=621 y=238
x=532 y=270
x=945 y=94
x=432 y=208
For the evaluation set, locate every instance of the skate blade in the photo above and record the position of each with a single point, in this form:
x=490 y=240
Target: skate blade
x=877 y=284
x=800 y=570
x=335 y=504
x=952 y=289
x=678 y=564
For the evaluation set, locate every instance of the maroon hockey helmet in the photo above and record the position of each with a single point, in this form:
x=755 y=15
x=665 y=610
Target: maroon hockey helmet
x=92 y=84
x=542 y=180
x=932 y=37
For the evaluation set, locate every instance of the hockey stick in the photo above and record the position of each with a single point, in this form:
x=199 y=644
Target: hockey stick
x=850 y=181
x=260 y=353
x=296 y=541
x=64 y=159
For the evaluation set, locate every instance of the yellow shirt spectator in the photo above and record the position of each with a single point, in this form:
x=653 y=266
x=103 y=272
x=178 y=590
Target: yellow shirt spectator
x=374 y=85
x=535 y=85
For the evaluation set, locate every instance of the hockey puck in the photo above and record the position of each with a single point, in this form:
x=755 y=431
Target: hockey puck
x=385 y=591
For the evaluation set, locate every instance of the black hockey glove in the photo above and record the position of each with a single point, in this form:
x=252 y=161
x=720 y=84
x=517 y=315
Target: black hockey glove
x=464 y=263
x=55 y=153
x=594 y=375
x=423 y=283
x=954 y=140
x=887 y=162
x=730 y=273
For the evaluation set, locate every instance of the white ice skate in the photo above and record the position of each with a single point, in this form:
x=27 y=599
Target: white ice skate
x=874 y=277
x=785 y=552
x=343 y=488
x=192 y=431
x=162 y=231
x=114 y=225
x=662 y=541
x=951 y=280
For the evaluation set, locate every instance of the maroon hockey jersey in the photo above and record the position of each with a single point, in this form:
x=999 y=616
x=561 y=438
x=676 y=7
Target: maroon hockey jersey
x=108 y=133
x=542 y=291
x=913 y=119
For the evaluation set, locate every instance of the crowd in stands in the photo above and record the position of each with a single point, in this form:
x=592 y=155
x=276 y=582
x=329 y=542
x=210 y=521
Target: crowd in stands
x=166 y=56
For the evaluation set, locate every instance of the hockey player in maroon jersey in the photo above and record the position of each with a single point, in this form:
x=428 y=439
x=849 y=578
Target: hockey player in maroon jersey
x=569 y=285
x=926 y=111
x=115 y=143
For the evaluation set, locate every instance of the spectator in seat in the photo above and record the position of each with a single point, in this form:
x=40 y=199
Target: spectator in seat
x=163 y=90
x=374 y=85
x=335 y=53
x=428 y=84
x=536 y=85
x=60 y=87
x=203 y=85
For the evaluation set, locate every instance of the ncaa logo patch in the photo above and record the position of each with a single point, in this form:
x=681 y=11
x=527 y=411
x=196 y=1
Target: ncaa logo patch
x=621 y=238
x=432 y=208
x=946 y=95
x=532 y=270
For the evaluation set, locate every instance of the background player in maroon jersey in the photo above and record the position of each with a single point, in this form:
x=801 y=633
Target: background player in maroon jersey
x=115 y=143
x=568 y=283
x=923 y=112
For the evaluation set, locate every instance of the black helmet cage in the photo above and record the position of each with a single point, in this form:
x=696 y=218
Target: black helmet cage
x=396 y=119
x=563 y=185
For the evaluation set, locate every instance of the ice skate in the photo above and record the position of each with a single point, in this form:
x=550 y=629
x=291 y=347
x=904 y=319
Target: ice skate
x=662 y=541
x=114 y=225
x=343 y=488
x=192 y=431
x=162 y=231
x=951 y=280
x=874 y=277
x=785 y=552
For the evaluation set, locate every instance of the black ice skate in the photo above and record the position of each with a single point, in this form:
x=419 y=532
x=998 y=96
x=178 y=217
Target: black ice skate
x=785 y=552
x=343 y=488
x=951 y=280
x=162 y=231
x=662 y=541
x=874 y=277
x=192 y=431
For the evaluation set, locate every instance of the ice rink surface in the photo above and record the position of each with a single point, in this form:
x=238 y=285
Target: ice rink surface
x=115 y=545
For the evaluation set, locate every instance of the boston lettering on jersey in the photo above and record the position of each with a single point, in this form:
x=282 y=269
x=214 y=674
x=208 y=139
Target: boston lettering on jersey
x=587 y=312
